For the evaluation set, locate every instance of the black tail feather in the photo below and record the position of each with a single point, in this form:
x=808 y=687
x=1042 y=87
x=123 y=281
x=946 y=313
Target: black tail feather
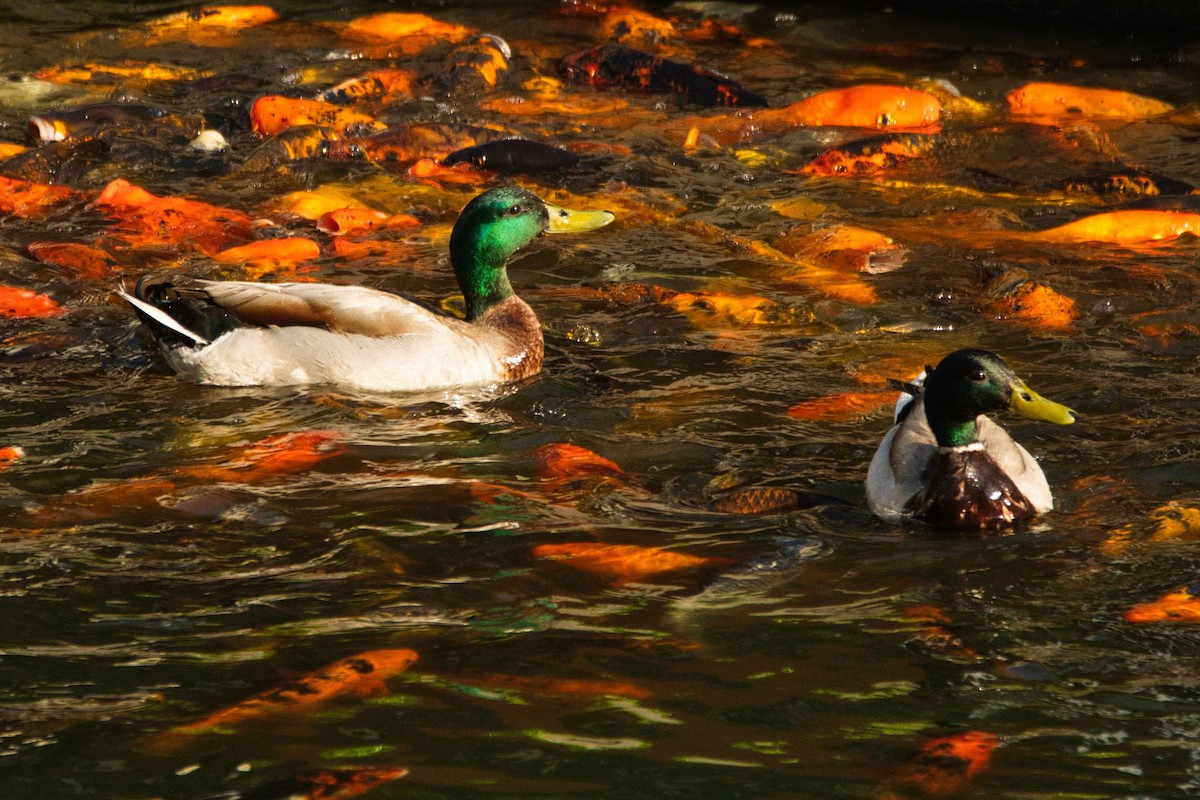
x=191 y=307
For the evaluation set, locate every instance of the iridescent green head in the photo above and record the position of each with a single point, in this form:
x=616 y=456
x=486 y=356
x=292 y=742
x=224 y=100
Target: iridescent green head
x=493 y=227
x=968 y=383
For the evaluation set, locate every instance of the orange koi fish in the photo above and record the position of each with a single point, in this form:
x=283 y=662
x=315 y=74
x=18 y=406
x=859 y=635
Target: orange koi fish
x=943 y=767
x=259 y=462
x=407 y=143
x=311 y=204
x=546 y=96
x=272 y=114
x=636 y=27
x=384 y=85
x=1031 y=302
x=835 y=283
x=18 y=303
x=842 y=406
x=622 y=563
x=144 y=218
x=582 y=687
x=271 y=253
x=846 y=249
x=27 y=199
x=10 y=455
x=83 y=261
x=873 y=106
x=324 y=784
x=270 y=457
x=352 y=220
x=704 y=309
x=937 y=634
x=1181 y=605
x=362 y=674
x=351 y=248
x=404 y=33
x=1128 y=227
x=293 y=144
x=1058 y=100
x=213 y=17
x=872 y=156
x=95 y=74
x=461 y=173
x=476 y=66
x=877 y=106
x=563 y=460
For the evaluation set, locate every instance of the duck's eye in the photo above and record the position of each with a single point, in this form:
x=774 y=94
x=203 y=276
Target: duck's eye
x=516 y=210
x=977 y=376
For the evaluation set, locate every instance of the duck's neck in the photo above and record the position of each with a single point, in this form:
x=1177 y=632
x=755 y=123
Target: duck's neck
x=479 y=265
x=951 y=426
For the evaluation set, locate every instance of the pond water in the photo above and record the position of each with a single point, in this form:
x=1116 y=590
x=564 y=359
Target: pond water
x=159 y=566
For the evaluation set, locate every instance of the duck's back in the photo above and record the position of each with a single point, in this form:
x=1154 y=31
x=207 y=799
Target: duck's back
x=504 y=345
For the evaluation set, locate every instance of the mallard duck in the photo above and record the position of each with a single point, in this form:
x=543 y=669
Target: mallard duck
x=237 y=333
x=946 y=463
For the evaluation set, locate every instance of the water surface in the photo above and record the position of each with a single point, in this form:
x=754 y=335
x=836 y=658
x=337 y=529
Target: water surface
x=129 y=613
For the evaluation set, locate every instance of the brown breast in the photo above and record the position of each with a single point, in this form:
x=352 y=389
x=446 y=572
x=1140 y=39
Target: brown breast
x=515 y=321
x=968 y=490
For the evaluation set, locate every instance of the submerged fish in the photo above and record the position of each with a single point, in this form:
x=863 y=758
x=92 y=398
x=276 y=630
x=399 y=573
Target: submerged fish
x=617 y=65
x=508 y=156
x=403 y=144
x=872 y=155
x=943 y=767
x=323 y=784
x=1181 y=605
x=1058 y=100
x=477 y=66
x=1125 y=182
x=361 y=674
x=54 y=126
x=749 y=582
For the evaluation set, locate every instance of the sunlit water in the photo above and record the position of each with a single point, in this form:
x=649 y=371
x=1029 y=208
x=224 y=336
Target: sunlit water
x=817 y=677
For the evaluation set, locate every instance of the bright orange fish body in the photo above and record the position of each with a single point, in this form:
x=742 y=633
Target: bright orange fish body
x=1181 y=605
x=361 y=674
x=324 y=784
x=943 y=767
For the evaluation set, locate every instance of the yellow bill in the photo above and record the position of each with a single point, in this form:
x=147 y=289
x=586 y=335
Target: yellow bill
x=1028 y=403
x=564 y=220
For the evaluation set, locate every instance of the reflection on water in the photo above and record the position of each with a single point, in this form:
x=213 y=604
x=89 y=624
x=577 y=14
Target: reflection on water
x=593 y=627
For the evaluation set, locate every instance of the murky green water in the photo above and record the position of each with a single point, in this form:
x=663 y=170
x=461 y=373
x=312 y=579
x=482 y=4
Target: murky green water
x=188 y=588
